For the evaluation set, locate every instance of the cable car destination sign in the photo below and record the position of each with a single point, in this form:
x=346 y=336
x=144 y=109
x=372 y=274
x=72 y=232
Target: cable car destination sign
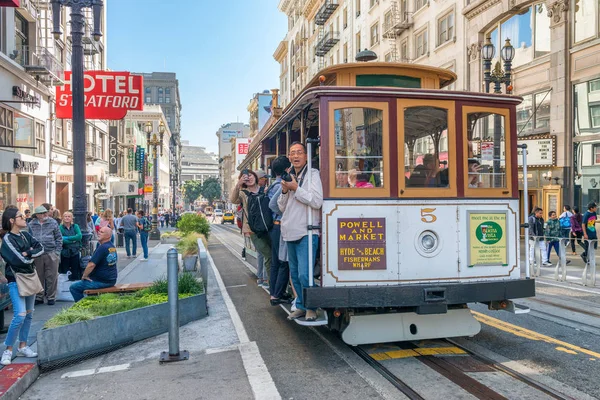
x=361 y=243
x=108 y=95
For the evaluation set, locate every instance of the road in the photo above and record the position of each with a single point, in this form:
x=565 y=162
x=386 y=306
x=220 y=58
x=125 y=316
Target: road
x=556 y=343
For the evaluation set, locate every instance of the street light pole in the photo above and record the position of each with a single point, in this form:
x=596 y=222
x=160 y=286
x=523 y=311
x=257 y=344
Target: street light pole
x=77 y=87
x=156 y=144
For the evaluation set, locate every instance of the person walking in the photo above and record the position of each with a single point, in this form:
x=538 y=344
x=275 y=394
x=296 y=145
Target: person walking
x=18 y=251
x=167 y=218
x=101 y=272
x=297 y=199
x=129 y=223
x=46 y=231
x=263 y=278
x=536 y=231
x=553 y=233
x=576 y=230
x=107 y=219
x=70 y=256
x=565 y=221
x=589 y=229
x=144 y=227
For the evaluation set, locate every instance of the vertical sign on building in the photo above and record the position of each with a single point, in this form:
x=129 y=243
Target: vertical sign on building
x=130 y=159
x=112 y=150
x=242 y=146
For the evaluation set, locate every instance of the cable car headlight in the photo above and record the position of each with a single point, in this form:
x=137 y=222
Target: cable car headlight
x=428 y=243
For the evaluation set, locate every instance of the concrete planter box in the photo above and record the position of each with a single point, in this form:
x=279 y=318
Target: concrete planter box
x=189 y=263
x=75 y=342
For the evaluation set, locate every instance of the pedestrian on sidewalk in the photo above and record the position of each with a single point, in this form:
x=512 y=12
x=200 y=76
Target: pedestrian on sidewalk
x=101 y=271
x=565 y=221
x=263 y=275
x=161 y=219
x=46 y=231
x=18 y=251
x=589 y=230
x=70 y=255
x=107 y=219
x=130 y=228
x=553 y=235
x=279 y=269
x=576 y=229
x=92 y=230
x=297 y=199
x=144 y=226
x=167 y=218
x=536 y=229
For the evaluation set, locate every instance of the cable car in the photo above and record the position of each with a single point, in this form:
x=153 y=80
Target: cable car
x=421 y=210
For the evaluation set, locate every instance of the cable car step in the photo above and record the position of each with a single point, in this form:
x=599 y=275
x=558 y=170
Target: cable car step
x=321 y=320
x=517 y=308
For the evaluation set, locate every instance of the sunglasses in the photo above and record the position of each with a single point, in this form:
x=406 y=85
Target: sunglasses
x=19 y=216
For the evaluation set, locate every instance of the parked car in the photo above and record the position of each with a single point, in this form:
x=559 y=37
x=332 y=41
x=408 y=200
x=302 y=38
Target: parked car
x=218 y=212
x=228 y=217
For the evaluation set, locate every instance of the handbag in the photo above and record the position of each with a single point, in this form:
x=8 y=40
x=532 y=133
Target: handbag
x=28 y=284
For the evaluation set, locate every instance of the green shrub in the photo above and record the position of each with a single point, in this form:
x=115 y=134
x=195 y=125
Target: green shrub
x=188 y=284
x=68 y=316
x=175 y=234
x=193 y=223
x=189 y=244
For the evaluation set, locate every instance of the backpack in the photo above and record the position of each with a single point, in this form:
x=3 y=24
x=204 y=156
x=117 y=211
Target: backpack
x=259 y=215
x=146 y=225
x=565 y=222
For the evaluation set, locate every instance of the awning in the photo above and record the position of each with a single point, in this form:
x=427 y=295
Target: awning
x=9 y=3
x=94 y=174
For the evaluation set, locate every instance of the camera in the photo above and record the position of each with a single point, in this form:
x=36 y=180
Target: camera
x=286 y=176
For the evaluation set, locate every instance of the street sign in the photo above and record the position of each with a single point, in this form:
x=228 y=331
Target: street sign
x=108 y=95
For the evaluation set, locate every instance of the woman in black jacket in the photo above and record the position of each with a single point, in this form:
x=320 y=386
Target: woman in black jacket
x=18 y=250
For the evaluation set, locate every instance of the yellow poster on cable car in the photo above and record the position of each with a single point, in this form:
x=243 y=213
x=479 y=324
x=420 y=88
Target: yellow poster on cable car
x=487 y=239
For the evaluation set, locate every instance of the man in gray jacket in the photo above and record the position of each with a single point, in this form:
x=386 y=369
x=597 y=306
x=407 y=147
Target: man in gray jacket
x=46 y=231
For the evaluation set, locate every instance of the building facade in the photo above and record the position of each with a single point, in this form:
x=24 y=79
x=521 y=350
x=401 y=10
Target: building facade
x=227 y=135
x=197 y=164
x=36 y=147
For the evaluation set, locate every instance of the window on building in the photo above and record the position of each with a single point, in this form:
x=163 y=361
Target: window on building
x=388 y=57
x=345 y=18
x=168 y=90
x=358 y=8
x=387 y=21
x=160 y=90
x=421 y=45
x=168 y=99
x=595 y=116
x=586 y=19
x=358 y=44
x=446 y=28
x=596 y=151
x=21 y=34
x=529 y=33
x=24 y=133
x=40 y=139
x=148 y=99
x=372 y=3
x=586 y=98
x=7 y=134
x=533 y=114
x=160 y=98
x=148 y=90
x=420 y=4
x=345 y=52
x=59 y=52
x=595 y=86
x=404 y=51
x=375 y=34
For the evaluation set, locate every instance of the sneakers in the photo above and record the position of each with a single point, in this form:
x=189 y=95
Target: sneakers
x=547 y=264
x=265 y=285
x=259 y=282
x=296 y=314
x=311 y=315
x=584 y=258
x=143 y=259
x=26 y=352
x=51 y=302
x=6 y=357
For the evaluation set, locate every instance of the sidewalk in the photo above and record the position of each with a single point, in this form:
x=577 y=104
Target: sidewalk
x=222 y=363
x=23 y=369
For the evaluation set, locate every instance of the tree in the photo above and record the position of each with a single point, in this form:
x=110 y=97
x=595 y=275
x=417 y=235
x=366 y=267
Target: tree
x=211 y=190
x=192 y=190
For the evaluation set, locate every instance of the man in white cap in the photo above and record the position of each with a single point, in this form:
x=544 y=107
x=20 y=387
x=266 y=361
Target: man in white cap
x=46 y=231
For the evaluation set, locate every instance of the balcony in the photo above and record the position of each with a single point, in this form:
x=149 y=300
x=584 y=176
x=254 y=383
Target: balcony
x=41 y=64
x=326 y=10
x=93 y=152
x=394 y=27
x=329 y=40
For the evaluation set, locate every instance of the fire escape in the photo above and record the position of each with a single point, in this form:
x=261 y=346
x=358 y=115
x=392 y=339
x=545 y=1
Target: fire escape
x=397 y=20
x=326 y=39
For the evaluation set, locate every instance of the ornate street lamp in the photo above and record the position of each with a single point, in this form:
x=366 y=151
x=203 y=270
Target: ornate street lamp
x=77 y=32
x=155 y=142
x=497 y=76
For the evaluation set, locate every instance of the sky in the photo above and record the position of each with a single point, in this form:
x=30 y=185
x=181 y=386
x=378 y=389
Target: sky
x=222 y=52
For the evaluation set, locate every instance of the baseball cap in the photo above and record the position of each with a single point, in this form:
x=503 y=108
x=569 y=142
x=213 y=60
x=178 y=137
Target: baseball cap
x=261 y=174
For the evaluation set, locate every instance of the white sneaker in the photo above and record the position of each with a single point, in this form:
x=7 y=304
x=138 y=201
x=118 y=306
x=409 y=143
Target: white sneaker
x=6 y=357
x=293 y=308
x=27 y=352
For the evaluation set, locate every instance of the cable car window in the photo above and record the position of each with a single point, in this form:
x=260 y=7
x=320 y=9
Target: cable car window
x=426 y=161
x=486 y=150
x=358 y=148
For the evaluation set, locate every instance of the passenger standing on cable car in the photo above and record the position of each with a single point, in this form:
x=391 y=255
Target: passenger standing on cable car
x=296 y=201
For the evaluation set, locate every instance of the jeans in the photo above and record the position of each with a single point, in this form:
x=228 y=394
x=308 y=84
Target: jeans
x=130 y=234
x=260 y=267
x=22 y=315
x=542 y=251
x=77 y=288
x=263 y=246
x=553 y=244
x=298 y=259
x=586 y=245
x=576 y=235
x=144 y=241
x=279 y=269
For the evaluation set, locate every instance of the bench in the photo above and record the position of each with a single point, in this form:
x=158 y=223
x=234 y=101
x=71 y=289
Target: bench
x=122 y=288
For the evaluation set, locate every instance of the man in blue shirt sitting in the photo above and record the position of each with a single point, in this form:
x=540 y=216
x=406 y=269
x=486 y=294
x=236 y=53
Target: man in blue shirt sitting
x=101 y=271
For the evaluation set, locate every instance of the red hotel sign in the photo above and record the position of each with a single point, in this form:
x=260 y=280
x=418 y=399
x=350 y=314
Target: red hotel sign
x=108 y=95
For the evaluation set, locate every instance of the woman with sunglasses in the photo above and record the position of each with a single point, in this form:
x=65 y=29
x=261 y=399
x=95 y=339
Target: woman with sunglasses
x=18 y=250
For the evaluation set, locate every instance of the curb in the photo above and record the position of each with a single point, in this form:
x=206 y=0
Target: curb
x=16 y=378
